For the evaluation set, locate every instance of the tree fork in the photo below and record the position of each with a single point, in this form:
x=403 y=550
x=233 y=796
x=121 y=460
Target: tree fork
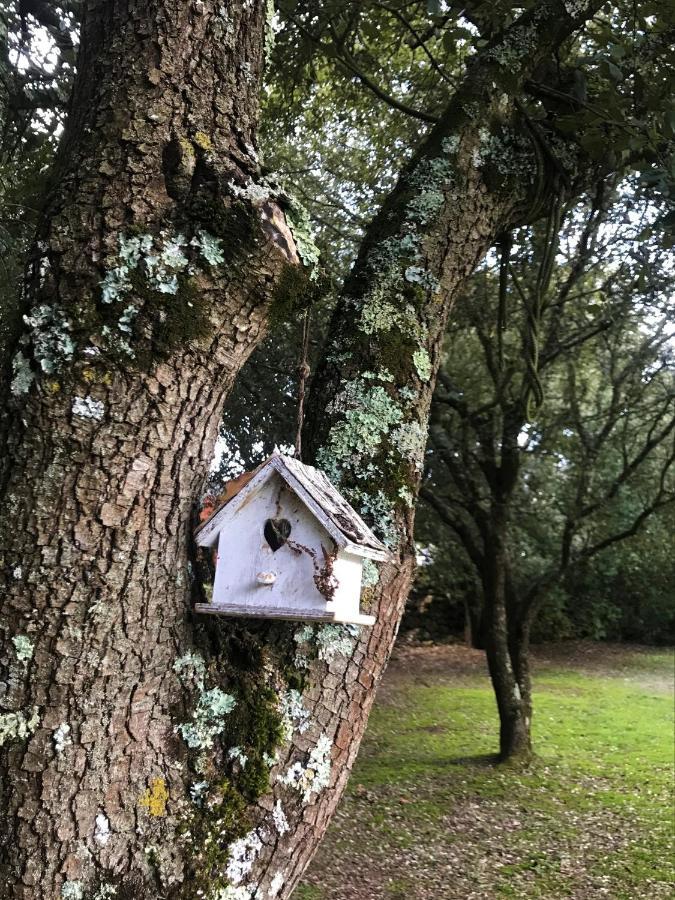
x=107 y=451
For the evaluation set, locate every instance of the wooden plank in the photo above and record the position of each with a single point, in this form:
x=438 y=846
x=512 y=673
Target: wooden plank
x=276 y=612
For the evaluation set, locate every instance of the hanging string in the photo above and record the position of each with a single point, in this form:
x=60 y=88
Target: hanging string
x=303 y=374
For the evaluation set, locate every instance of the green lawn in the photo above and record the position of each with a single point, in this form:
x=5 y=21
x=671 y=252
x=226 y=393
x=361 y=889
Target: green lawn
x=429 y=815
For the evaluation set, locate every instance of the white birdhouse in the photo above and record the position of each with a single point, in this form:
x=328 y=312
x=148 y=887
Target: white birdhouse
x=289 y=546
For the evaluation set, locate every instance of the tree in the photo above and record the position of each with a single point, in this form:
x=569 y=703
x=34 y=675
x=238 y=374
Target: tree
x=137 y=743
x=581 y=473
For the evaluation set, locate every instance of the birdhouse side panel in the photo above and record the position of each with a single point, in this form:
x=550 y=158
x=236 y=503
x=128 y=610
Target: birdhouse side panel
x=347 y=571
x=269 y=552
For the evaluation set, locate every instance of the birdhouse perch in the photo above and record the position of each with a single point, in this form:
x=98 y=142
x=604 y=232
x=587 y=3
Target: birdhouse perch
x=289 y=546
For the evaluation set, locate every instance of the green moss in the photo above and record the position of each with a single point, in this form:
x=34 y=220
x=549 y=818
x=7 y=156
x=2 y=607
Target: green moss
x=395 y=351
x=236 y=223
x=209 y=832
x=296 y=292
x=255 y=725
x=177 y=319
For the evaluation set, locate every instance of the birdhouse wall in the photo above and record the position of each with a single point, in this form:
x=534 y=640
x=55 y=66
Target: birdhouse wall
x=347 y=570
x=244 y=555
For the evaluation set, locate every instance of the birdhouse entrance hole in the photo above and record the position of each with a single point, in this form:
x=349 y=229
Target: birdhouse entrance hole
x=277 y=532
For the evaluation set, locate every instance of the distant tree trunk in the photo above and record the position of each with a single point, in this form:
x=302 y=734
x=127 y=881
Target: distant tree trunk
x=513 y=698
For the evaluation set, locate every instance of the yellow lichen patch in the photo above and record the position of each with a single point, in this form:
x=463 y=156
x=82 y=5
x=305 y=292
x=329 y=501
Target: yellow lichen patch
x=52 y=387
x=203 y=140
x=155 y=797
x=186 y=148
x=88 y=374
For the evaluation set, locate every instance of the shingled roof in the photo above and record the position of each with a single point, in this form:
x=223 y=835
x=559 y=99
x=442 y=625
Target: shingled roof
x=323 y=500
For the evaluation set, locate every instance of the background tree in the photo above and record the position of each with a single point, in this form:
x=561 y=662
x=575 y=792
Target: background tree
x=534 y=490
x=160 y=250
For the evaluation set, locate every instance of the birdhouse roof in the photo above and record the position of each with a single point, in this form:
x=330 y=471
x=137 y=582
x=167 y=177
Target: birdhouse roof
x=321 y=498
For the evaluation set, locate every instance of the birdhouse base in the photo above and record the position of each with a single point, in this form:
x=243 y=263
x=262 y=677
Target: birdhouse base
x=289 y=614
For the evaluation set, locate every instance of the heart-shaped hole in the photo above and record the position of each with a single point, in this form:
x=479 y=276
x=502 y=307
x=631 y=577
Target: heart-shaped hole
x=277 y=532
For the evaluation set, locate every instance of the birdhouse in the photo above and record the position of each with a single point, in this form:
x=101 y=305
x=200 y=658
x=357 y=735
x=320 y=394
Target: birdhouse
x=289 y=546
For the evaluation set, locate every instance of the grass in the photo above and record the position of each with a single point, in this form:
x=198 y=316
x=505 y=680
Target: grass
x=429 y=815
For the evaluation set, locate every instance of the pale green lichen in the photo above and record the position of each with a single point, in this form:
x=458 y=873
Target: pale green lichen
x=61 y=738
x=88 y=408
x=409 y=441
x=518 y=43
x=72 y=890
x=23 y=375
x=238 y=755
x=294 y=716
x=23 y=647
x=51 y=342
x=210 y=247
x=276 y=884
x=105 y=892
x=190 y=667
x=507 y=152
x=208 y=719
x=242 y=855
x=336 y=640
x=279 y=819
x=422 y=364
x=299 y=222
x=368 y=413
x=303 y=637
x=314 y=776
x=407 y=496
x=370 y=574
x=376 y=436
x=102 y=832
x=198 y=792
x=18 y=725
x=237 y=892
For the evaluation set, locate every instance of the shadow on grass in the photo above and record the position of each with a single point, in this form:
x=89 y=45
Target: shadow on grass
x=480 y=761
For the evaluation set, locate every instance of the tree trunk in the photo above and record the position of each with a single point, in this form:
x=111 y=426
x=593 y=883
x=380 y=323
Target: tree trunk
x=108 y=429
x=120 y=752
x=369 y=411
x=512 y=704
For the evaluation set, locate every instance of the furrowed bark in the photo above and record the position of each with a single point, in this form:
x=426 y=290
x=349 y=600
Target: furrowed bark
x=107 y=433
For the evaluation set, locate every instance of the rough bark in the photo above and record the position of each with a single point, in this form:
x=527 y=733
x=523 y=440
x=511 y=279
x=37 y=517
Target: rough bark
x=505 y=662
x=97 y=492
